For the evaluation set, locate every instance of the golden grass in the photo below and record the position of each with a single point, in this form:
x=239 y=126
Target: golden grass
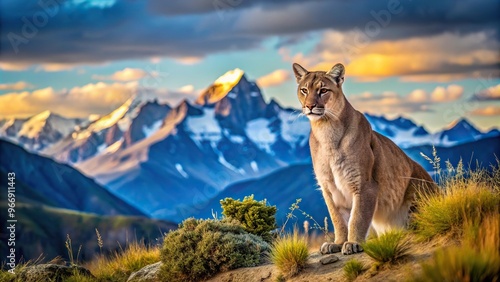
x=289 y=253
x=120 y=265
x=460 y=200
x=476 y=259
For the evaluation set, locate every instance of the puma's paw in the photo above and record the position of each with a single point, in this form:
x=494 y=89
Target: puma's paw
x=350 y=248
x=330 y=248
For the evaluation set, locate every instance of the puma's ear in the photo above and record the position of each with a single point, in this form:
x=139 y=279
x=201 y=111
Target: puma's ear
x=299 y=71
x=337 y=72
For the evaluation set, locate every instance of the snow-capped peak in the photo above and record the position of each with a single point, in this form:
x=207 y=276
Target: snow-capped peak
x=231 y=77
x=221 y=87
x=36 y=124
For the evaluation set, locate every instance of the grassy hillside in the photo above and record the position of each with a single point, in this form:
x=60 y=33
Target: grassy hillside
x=42 y=230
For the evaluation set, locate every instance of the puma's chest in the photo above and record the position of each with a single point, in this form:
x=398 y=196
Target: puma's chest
x=335 y=174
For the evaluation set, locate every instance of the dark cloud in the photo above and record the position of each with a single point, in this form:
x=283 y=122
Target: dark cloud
x=66 y=32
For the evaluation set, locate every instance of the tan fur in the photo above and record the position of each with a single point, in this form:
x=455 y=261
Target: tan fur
x=365 y=178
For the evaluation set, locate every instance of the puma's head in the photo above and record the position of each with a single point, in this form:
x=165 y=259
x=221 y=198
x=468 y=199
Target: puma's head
x=320 y=92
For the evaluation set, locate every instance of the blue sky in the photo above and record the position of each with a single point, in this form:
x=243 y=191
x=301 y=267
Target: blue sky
x=431 y=61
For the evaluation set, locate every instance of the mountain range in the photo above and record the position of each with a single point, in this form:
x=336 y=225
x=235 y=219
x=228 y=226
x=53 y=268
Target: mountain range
x=172 y=161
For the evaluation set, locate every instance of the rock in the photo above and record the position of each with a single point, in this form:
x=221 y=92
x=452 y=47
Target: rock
x=148 y=273
x=329 y=259
x=50 y=272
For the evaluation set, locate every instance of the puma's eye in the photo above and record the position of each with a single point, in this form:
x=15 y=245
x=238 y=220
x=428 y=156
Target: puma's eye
x=303 y=91
x=323 y=91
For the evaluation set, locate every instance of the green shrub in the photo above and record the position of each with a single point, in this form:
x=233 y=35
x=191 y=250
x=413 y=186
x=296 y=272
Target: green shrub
x=200 y=249
x=388 y=248
x=255 y=216
x=289 y=253
x=352 y=269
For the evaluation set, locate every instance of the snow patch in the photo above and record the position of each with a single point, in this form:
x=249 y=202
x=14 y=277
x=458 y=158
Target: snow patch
x=150 y=130
x=204 y=127
x=113 y=147
x=294 y=128
x=258 y=131
x=254 y=166
x=223 y=161
x=181 y=171
x=236 y=139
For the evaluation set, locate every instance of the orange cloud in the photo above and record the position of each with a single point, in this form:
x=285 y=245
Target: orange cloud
x=434 y=58
x=20 y=85
x=189 y=60
x=13 y=66
x=274 y=78
x=415 y=101
x=127 y=74
x=491 y=93
x=450 y=93
x=55 y=67
x=99 y=98
x=487 y=111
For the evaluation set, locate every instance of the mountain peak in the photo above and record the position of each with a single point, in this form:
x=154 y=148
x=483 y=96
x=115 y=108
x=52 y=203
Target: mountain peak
x=231 y=77
x=221 y=87
x=462 y=123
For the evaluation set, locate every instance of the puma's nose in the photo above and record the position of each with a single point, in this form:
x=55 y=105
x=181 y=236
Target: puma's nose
x=310 y=107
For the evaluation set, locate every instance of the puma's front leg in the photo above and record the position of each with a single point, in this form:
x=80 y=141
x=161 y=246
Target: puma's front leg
x=339 y=225
x=361 y=217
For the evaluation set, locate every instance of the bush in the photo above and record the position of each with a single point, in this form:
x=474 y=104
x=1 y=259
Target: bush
x=200 y=249
x=352 y=269
x=289 y=253
x=478 y=259
x=256 y=217
x=388 y=248
x=461 y=200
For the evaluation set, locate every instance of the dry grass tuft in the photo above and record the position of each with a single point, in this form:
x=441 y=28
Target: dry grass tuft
x=289 y=253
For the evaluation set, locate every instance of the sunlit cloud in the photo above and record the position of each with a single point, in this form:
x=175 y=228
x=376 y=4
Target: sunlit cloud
x=55 y=67
x=14 y=66
x=491 y=93
x=274 y=78
x=127 y=74
x=98 y=98
x=188 y=60
x=90 y=99
x=417 y=100
x=20 y=85
x=443 y=57
x=487 y=111
x=450 y=93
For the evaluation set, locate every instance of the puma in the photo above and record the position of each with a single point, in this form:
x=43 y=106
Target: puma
x=366 y=179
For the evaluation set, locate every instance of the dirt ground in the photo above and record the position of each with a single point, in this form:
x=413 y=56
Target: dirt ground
x=316 y=272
